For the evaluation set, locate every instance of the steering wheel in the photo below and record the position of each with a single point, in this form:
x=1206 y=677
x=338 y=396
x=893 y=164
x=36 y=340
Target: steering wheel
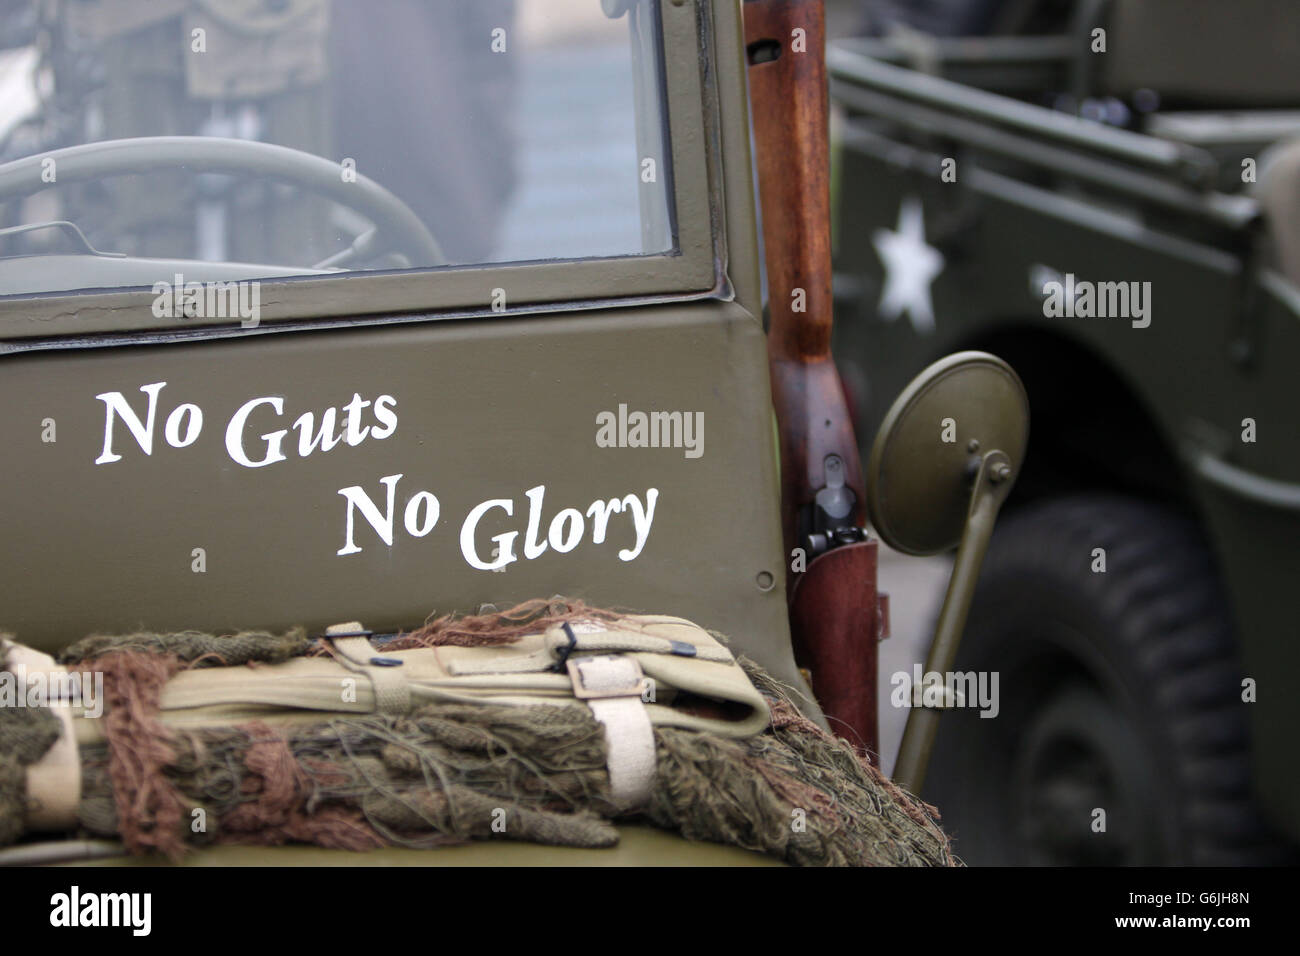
x=396 y=227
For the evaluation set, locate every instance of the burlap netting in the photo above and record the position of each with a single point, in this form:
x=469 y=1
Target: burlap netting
x=448 y=772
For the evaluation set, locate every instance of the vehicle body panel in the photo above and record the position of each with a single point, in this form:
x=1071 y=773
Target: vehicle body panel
x=488 y=407
x=1220 y=348
x=637 y=846
x=484 y=410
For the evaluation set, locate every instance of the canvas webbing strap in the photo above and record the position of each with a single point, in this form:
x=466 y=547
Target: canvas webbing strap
x=534 y=663
x=54 y=781
x=355 y=652
x=358 y=678
x=565 y=640
x=627 y=641
x=612 y=686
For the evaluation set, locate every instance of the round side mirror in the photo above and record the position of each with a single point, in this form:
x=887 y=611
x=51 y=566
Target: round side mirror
x=931 y=445
x=941 y=466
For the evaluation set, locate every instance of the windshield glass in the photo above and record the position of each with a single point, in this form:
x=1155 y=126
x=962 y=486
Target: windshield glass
x=241 y=138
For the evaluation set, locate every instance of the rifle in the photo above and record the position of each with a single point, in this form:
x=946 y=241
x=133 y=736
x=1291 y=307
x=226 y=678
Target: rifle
x=833 y=603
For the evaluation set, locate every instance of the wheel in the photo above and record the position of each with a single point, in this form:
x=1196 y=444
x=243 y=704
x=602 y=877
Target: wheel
x=1118 y=691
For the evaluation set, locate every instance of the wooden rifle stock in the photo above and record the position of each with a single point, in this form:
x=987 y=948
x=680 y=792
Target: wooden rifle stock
x=833 y=604
x=787 y=82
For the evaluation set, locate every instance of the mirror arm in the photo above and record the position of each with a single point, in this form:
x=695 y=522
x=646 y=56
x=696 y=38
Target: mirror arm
x=993 y=482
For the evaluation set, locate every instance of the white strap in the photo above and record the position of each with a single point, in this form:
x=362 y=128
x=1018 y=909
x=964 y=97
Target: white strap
x=54 y=781
x=613 y=686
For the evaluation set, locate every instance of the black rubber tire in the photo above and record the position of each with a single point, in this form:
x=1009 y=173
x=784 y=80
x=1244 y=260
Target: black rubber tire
x=1119 y=690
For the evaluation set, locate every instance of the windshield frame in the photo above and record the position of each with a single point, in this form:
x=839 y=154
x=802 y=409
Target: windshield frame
x=694 y=269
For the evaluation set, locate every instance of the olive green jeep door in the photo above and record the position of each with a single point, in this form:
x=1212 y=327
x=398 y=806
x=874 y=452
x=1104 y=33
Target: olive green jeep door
x=347 y=340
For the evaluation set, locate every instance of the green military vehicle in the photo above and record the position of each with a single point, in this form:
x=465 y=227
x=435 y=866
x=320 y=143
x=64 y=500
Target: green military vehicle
x=1106 y=194
x=413 y=356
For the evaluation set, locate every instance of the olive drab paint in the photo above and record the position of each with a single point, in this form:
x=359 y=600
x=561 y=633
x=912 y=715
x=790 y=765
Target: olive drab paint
x=361 y=419
x=1189 y=384
x=206 y=480
x=185 y=423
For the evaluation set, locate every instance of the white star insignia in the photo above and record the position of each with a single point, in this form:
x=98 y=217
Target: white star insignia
x=910 y=266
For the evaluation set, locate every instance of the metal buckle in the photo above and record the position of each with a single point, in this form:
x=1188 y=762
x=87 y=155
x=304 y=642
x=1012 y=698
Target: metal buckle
x=632 y=686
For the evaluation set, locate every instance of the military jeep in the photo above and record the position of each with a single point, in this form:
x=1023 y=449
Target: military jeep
x=1105 y=194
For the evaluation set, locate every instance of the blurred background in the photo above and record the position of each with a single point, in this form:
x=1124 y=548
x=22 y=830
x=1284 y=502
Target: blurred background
x=509 y=127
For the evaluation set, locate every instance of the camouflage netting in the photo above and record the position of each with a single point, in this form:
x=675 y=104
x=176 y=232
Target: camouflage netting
x=26 y=733
x=196 y=648
x=447 y=773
